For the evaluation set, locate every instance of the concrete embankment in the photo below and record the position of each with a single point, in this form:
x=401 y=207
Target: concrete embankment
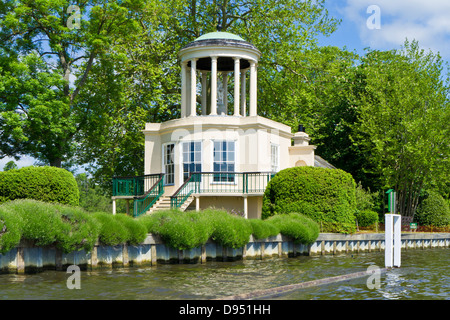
x=26 y=258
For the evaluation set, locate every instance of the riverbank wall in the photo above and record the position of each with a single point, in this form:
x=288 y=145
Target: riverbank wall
x=27 y=258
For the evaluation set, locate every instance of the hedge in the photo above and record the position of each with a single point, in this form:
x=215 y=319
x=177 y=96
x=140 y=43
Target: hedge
x=433 y=211
x=72 y=229
x=325 y=195
x=366 y=218
x=48 y=184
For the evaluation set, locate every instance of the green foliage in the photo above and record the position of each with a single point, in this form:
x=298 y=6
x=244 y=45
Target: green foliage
x=10 y=165
x=262 y=229
x=48 y=184
x=229 y=230
x=10 y=230
x=180 y=230
x=78 y=230
x=68 y=228
x=433 y=211
x=137 y=232
x=366 y=218
x=300 y=228
x=112 y=231
x=92 y=197
x=326 y=196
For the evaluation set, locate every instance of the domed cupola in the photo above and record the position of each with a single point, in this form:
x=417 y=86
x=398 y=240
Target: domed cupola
x=214 y=55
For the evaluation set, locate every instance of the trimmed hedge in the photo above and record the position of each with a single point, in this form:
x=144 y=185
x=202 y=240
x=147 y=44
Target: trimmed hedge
x=325 y=195
x=48 y=184
x=296 y=226
x=433 y=211
x=71 y=228
x=366 y=218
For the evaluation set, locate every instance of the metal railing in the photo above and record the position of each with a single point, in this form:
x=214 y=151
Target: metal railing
x=221 y=183
x=134 y=186
x=143 y=203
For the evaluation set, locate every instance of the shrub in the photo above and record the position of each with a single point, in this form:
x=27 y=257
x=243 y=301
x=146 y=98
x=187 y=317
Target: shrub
x=296 y=226
x=433 y=211
x=10 y=230
x=79 y=230
x=48 y=184
x=180 y=230
x=137 y=232
x=263 y=229
x=41 y=222
x=325 y=195
x=230 y=231
x=366 y=218
x=112 y=232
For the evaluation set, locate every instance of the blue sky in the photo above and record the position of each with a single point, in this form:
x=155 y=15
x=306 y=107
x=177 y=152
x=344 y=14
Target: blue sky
x=427 y=21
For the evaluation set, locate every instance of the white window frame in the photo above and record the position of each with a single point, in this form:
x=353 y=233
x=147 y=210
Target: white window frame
x=182 y=156
x=234 y=161
x=274 y=165
x=164 y=164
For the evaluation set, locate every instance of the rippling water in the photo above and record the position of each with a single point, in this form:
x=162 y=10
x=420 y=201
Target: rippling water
x=424 y=275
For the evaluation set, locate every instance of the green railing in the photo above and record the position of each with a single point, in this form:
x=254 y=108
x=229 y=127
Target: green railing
x=134 y=186
x=221 y=183
x=143 y=203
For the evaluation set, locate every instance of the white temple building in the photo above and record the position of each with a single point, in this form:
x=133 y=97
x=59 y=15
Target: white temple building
x=219 y=153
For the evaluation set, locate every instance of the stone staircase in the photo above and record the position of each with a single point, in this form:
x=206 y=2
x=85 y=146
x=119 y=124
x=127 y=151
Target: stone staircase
x=163 y=203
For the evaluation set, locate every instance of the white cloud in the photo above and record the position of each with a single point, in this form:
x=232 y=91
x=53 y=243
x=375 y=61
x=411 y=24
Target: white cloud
x=427 y=22
x=23 y=162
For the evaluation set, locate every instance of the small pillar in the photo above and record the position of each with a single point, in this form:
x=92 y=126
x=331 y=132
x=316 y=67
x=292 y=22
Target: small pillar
x=224 y=111
x=193 y=87
x=183 y=89
x=253 y=89
x=113 y=206
x=236 y=85
x=245 y=207
x=213 y=86
x=243 y=93
x=204 y=92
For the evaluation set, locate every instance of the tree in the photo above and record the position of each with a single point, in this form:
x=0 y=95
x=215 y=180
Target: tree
x=44 y=67
x=402 y=121
x=137 y=80
x=10 y=165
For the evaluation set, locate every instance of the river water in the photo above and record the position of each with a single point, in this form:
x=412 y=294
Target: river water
x=424 y=274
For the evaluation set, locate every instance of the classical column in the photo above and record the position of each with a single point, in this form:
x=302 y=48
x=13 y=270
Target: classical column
x=183 y=89
x=253 y=89
x=243 y=93
x=236 y=85
x=188 y=91
x=204 y=92
x=213 y=86
x=193 y=87
x=225 y=92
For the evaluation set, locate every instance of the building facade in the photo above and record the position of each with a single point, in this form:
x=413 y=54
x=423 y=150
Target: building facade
x=219 y=153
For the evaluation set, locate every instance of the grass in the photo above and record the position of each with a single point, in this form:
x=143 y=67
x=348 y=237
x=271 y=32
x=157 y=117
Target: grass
x=72 y=228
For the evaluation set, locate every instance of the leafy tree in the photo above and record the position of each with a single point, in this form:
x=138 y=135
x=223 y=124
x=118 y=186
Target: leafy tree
x=10 y=165
x=44 y=67
x=402 y=121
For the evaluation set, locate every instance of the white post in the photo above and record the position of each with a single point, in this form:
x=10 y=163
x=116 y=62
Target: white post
x=245 y=208
x=397 y=240
x=193 y=87
x=236 y=85
x=243 y=92
x=225 y=92
x=197 y=203
x=183 y=89
x=213 y=86
x=392 y=243
x=253 y=88
x=204 y=92
x=114 y=206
